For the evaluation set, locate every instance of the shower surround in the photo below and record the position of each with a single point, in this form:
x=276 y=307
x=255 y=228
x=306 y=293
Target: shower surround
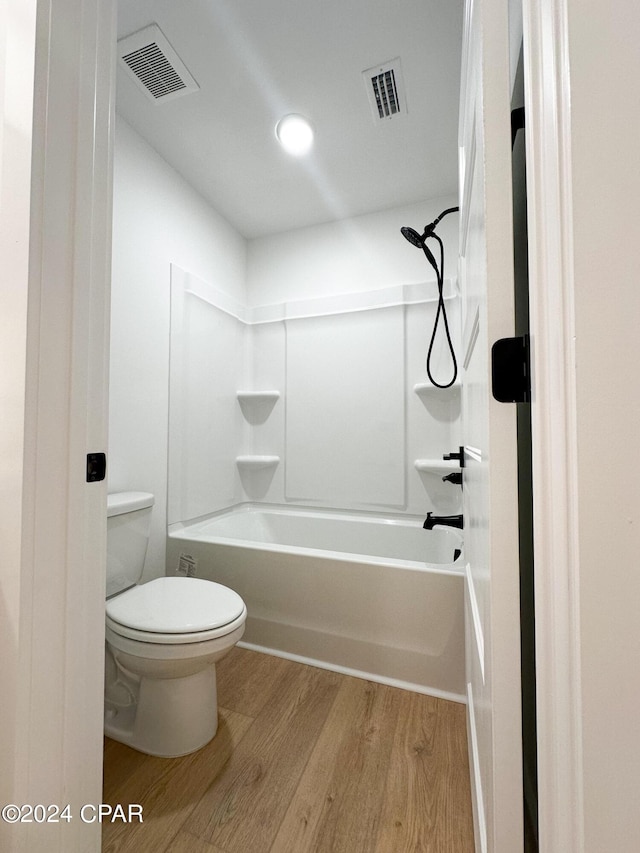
x=308 y=416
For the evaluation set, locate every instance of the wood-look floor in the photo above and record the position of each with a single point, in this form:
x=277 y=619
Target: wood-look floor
x=304 y=761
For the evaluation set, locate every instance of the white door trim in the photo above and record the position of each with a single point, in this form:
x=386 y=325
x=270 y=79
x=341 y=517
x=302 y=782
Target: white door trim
x=555 y=490
x=17 y=51
x=58 y=617
x=492 y=622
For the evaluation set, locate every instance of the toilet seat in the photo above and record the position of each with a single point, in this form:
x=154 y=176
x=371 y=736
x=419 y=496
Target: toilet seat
x=172 y=610
x=159 y=639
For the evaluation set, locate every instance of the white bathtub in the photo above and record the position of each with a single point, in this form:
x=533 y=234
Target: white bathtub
x=375 y=596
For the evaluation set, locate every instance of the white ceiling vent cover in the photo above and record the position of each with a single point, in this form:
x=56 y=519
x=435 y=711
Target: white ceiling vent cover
x=385 y=89
x=154 y=65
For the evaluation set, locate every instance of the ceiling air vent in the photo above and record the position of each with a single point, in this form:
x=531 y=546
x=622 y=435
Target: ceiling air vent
x=154 y=65
x=385 y=90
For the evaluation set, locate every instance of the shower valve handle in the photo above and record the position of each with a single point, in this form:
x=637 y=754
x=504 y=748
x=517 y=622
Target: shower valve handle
x=459 y=456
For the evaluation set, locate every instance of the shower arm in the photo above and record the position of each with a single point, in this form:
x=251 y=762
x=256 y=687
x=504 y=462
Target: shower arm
x=429 y=229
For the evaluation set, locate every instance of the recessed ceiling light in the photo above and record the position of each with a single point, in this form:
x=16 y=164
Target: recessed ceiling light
x=295 y=134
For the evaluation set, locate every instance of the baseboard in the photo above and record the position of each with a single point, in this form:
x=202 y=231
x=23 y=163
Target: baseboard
x=356 y=673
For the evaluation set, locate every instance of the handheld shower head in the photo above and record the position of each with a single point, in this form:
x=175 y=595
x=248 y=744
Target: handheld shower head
x=419 y=239
x=413 y=237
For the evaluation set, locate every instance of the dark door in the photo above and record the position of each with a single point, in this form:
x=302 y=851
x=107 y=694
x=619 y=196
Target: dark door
x=525 y=490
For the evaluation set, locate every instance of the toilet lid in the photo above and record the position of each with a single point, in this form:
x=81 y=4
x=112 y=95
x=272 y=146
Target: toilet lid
x=176 y=606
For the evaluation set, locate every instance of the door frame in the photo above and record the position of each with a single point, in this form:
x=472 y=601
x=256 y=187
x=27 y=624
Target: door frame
x=554 y=425
x=57 y=201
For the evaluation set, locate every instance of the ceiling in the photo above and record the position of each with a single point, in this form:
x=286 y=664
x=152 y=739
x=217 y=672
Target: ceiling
x=256 y=60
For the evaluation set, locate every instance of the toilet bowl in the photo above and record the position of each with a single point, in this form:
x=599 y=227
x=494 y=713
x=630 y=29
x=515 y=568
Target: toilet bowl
x=163 y=639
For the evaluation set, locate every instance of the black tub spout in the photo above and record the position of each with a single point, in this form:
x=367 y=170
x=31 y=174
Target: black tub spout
x=447 y=520
x=455 y=477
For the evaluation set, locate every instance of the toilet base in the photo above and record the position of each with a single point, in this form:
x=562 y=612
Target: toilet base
x=161 y=698
x=166 y=717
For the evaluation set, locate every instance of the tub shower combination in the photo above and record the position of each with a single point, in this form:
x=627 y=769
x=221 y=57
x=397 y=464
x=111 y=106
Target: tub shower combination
x=300 y=473
x=371 y=595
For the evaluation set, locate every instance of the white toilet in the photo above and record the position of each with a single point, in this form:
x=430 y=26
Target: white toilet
x=163 y=640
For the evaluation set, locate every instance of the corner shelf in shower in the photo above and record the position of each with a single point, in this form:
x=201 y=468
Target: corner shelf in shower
x=257 y=406
x=427 y=388
x=258 y=396
x=254 y=463
x=435 y=466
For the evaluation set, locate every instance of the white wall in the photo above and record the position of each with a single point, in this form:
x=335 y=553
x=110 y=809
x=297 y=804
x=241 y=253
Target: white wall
x=606 y=191
x=364 y=253
x=158 y=220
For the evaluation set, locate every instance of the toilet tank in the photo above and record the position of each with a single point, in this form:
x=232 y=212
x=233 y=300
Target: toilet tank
x=128 y=527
